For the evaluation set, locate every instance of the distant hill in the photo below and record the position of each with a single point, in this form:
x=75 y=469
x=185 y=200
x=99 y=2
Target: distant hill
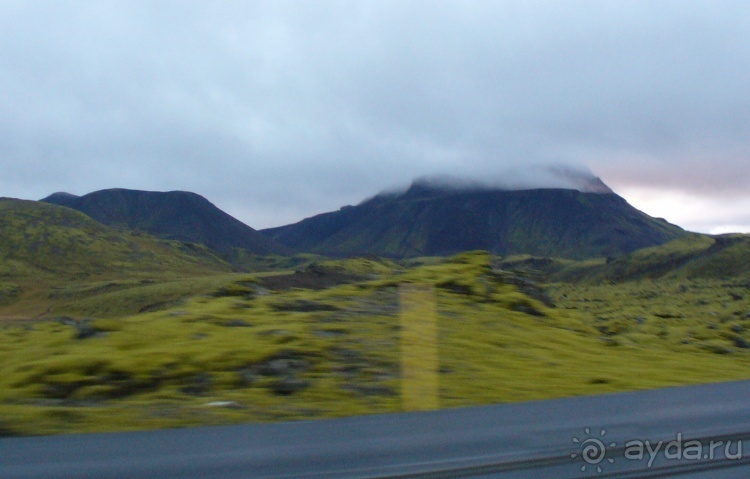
x=177 y=215
x=692 y=256
x=39 y=239
x=439 y=219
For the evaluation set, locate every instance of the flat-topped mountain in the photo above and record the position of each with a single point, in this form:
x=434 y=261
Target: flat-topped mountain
x=177 y=215
x=436 y=218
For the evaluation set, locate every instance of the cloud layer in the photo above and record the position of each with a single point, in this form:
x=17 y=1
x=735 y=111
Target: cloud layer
x=277 y=110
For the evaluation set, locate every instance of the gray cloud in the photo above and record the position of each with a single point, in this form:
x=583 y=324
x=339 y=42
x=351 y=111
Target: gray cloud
x=277 y=110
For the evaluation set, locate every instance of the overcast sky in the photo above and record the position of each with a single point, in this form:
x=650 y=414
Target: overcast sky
x=278 y=110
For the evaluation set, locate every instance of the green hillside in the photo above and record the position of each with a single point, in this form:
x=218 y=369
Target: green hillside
x=42 y=240
x=102 y=329
x=51 y=256
x=692 y=257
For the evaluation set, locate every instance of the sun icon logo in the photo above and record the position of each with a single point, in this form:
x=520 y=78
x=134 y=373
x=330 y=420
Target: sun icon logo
x=593 y=450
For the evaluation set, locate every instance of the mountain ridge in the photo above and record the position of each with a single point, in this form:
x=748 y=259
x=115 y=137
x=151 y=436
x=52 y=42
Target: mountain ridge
x=440 y=220
x=435 y=216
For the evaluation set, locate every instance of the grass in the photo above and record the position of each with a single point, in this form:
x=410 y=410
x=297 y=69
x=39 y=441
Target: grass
x=668 y=314
x=420 y=359
x=134 y=353
x=42 y=242
x=691 y=257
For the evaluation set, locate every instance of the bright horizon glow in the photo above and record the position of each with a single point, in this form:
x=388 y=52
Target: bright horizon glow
x=691 y=212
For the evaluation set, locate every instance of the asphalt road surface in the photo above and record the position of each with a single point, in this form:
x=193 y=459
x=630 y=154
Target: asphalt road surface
x=692 y=432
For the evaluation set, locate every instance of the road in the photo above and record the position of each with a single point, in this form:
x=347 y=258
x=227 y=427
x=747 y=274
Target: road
x=687 y=432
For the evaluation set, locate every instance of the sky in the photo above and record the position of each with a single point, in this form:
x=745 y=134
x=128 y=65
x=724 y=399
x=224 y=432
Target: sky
x=279 y=110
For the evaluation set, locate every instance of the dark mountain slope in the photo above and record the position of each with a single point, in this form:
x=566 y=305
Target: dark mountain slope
x=176 y=215
x=434 y=220
x=39 y=239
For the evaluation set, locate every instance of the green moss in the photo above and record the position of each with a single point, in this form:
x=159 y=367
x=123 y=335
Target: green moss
x=297 y=354
x=47 y=241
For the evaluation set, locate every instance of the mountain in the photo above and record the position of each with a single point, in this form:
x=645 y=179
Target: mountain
x=438 y=219
x=39 y=239
x=177 y=215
